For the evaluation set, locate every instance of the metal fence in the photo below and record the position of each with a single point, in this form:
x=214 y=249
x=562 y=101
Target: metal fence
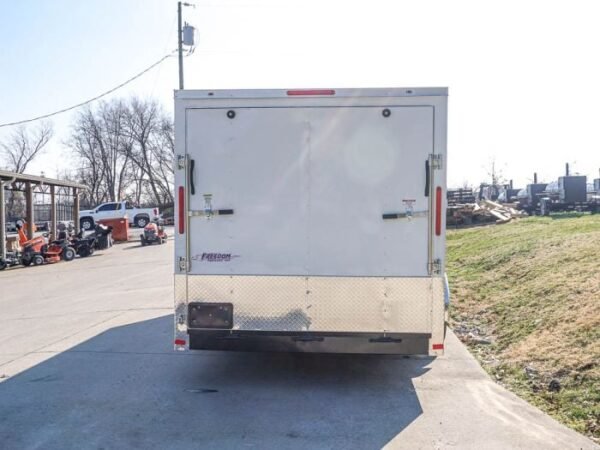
x=64 y=212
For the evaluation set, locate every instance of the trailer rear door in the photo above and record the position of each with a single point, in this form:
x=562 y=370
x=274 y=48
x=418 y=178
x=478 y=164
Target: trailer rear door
x=304 y=190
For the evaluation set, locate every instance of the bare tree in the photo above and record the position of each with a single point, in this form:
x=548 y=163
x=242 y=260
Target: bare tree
x=24 y=144
x=153 y=147
x=84 y=144
x=115 y=147
x=163 y=150
x=98 y=137
x=495 y=173
x=125 y=150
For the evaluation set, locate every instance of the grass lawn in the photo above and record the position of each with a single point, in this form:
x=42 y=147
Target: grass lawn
x=526 y=300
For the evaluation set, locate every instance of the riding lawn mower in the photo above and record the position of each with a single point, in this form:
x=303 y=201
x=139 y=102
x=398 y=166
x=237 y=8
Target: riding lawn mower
x=153 y=233
x=83 y=246
x=38 y=251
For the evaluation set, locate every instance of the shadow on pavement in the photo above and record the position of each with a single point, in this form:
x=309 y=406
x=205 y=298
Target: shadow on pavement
x=127 y=388
x=138 y=245
x=132 y=246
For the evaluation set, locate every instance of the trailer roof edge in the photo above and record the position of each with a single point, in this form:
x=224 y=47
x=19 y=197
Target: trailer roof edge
x=284 y=93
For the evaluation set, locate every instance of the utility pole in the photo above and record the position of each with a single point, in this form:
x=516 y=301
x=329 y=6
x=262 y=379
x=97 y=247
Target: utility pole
x=185 y=36
x=180 y=44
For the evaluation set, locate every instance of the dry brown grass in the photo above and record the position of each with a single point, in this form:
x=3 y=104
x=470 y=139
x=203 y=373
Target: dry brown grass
x=533 y=288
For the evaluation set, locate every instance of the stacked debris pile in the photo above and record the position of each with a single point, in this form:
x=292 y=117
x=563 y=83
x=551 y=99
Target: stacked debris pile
x=503 y=212
x=484 y=212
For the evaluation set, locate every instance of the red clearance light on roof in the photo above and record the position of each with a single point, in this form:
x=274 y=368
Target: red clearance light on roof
x=311 y=92
x=181 y=206
x=438 y=211
x=438 y=346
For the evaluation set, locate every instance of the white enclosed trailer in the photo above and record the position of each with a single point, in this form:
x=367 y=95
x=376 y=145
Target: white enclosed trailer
x=311 y=220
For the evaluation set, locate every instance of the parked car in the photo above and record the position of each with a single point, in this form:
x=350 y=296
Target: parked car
x=140 y=217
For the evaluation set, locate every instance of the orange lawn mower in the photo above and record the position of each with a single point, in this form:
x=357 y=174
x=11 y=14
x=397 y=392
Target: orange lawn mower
x=38 y=251
x=153 y=233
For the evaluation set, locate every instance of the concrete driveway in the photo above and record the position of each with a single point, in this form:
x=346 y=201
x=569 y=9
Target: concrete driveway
x=86 y=361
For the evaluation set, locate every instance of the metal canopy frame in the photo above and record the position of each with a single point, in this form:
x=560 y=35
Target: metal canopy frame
x=27 y=183
x=33 y=179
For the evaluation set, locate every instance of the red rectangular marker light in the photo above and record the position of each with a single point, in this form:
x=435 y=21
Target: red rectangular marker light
x=181 y=206
x=438 y=211
x=179 y=341
x=438 y=346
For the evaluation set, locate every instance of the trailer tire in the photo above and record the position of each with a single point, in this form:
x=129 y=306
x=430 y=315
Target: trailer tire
x=86 y=223
x=38 y=260
x=68 y=254
x=3 y=264
x=141 y=221
x=26 y=261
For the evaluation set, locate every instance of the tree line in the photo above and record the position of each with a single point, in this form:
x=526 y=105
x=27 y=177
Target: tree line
x=123 y=150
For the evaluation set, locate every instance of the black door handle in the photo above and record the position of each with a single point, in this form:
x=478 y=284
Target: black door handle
x=192 y=186
x=427 y=175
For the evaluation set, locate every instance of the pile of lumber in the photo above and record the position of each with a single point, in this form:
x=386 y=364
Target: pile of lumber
x=503 y=213
x=463 y=214
x=483 y=212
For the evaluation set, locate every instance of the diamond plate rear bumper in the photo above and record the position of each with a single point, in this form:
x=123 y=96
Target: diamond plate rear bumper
x=289 y=305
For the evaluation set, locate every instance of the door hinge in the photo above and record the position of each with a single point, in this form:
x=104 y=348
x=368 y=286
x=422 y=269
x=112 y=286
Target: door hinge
x=436 y=161
x=435 y=267
x=181 y=162
x=182 y=264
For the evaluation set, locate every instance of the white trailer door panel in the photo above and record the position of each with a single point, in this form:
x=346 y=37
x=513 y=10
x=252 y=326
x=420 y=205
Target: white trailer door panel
x=362 y=165
x=255 y=164
x=308 y=188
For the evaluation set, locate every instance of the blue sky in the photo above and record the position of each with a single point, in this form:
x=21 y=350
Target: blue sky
x=58 y=53
x=522 y=75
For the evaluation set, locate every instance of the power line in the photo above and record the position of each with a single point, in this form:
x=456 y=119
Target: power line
x=45 y=116
x=171 y=28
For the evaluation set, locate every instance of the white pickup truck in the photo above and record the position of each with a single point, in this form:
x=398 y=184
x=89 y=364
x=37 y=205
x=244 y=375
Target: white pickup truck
x=140 y=217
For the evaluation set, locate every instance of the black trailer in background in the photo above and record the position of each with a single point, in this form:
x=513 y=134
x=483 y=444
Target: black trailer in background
x=58 y=200
x=571 y=194
x=568 y=193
